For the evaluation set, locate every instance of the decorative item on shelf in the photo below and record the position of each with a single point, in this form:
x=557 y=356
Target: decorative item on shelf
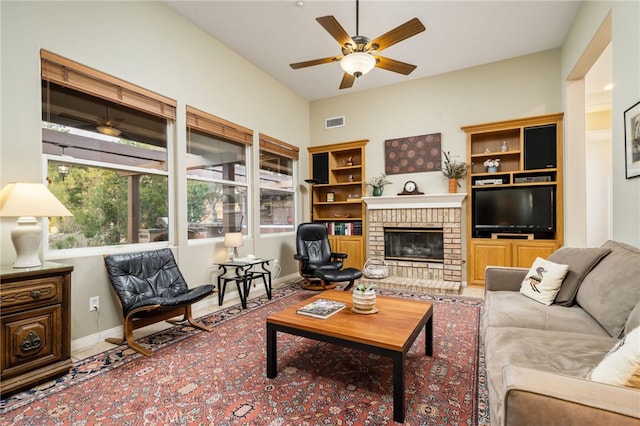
x=342 y=215
x=330 y=197
x=27 y=201
x=410 y=188
x=492 y=165
x=364 y=299
x=233 y=239
x=350 y=177
x=375 y=268
x=504 y=147
x=348 y=161
x=453 y=170
x=487 y=151
x=378 y=184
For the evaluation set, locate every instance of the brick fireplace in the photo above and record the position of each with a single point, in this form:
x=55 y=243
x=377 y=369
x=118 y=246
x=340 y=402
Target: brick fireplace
x=438 y=211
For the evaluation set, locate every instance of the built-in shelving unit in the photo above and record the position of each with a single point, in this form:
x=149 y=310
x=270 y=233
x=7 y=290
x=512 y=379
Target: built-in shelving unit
x=530 y=154
x=337 y=199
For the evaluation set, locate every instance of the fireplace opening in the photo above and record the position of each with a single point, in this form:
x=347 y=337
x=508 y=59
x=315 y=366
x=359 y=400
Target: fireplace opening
x=414 y=244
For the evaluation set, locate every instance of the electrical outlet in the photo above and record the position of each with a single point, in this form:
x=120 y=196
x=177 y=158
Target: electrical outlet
x=94 y=303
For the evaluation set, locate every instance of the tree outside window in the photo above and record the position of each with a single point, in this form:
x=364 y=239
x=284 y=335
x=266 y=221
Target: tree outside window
x=216 y=186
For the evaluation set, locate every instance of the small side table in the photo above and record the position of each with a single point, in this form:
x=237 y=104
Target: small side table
x=242 y=272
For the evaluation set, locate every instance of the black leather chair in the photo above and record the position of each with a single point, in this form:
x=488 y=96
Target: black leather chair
x=314 y=253
x=150 y=288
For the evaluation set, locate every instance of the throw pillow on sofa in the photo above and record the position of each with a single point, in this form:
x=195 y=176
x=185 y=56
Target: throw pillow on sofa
x=621 y=366
x=580 y=261
x=543 y=280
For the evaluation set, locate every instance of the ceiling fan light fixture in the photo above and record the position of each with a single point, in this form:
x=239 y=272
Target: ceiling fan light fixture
x=108 y=130
x=357 y=63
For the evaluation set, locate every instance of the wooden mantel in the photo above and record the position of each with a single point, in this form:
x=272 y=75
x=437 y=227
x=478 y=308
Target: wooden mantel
x=415 y=201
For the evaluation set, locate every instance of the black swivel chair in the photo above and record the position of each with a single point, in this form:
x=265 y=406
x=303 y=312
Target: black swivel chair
x=314 y=254
x=150 y=288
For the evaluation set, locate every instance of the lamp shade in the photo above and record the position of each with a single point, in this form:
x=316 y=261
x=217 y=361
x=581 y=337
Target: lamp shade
x=357 y=63
x=30 y=199
x=233 y=239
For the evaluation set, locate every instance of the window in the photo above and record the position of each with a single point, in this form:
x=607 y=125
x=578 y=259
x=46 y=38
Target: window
x=277 y=195
x=105 y=150
x=216 y=175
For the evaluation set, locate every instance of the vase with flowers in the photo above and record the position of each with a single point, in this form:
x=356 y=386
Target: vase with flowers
x=378 y=184
x=453 y=170
x=492 y=165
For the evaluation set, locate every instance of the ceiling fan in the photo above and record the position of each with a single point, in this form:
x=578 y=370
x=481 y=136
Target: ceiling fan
x=107 y=126
x=359 y=53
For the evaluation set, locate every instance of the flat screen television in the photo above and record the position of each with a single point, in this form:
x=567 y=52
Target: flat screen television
x=515 y=210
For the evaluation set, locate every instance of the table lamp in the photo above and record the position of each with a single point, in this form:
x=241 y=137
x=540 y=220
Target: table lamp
x=233 y=239
x=26 y=201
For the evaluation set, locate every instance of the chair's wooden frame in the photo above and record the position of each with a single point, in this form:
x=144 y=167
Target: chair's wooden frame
x=312 y=282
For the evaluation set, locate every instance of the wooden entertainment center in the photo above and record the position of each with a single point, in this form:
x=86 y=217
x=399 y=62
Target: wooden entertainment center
x=530 y=154
x=337 y=199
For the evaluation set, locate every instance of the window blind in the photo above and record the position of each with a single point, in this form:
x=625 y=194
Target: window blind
x=216 y=126
x=68 y=73
x=275 y=146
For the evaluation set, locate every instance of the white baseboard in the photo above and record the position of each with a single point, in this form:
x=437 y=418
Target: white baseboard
x=199 y=309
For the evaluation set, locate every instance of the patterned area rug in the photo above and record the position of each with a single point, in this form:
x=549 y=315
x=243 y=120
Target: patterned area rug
x=219 y=378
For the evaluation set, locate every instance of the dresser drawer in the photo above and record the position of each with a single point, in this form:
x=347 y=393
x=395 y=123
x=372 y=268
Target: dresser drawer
x=30 y=293
x=30 y=340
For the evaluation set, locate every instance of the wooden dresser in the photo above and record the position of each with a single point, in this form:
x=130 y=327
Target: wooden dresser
x=35 y=332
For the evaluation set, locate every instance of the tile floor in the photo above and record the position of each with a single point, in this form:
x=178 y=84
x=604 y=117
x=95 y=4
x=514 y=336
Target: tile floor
x=101 y=346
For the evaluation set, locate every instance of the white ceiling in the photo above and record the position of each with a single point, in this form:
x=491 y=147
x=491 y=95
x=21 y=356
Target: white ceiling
x=459 y=34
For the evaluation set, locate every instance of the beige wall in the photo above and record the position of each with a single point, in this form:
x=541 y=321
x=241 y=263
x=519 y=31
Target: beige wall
x=514 y=88
x=132 y=40
x=519 y=87
x=625 y=42
x=147 y=44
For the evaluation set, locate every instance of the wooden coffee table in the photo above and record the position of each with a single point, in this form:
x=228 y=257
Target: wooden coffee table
x=391 y=332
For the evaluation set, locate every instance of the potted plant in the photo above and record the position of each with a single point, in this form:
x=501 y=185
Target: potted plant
x=453 y=170
x=364 y=299
x=378 y=184
x=492 y=165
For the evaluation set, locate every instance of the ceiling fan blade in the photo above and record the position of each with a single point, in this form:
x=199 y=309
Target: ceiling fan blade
x=304 y=64
x=395 y=66
x=347 y=81
x=113 y=122
x=403 y=32
x=334 y=28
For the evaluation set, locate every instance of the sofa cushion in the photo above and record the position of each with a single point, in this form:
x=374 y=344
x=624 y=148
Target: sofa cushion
x=580 y=261
x=634 y=319
x=543 y=280
x=569 y=354
x=621 y=366
x=512 y=309
x=611 y=290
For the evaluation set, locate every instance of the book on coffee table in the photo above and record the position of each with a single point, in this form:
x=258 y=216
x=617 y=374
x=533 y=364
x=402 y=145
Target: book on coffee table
x=322 y=308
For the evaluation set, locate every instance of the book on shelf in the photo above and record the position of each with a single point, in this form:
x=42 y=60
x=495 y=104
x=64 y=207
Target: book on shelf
x=344 y=228
x=322 y=308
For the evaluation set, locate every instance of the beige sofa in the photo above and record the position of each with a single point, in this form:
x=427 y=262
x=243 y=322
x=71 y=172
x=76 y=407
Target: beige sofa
x=538 y=357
